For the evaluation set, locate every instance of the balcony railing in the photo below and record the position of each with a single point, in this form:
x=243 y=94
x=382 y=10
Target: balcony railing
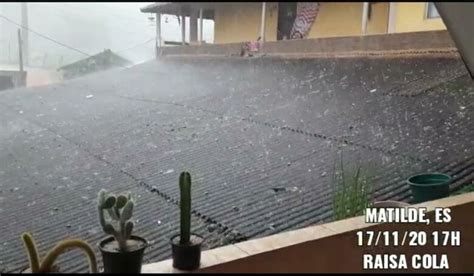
x=333 y=247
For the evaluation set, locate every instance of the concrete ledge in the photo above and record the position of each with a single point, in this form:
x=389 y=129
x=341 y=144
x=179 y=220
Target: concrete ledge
x=12 y=79
x=382 y=42
x=322 y=248
x=428 y=53
x=232 y=49
x=431 y=42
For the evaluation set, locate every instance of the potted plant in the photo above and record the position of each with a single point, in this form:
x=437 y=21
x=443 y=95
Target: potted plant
x=352 y=190
x=429 y=186
x=122 y=252
x=390 y=204
x=186 y=246
x=46 y=264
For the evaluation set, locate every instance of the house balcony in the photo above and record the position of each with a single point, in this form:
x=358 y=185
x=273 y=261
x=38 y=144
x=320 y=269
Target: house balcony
x=333 y=247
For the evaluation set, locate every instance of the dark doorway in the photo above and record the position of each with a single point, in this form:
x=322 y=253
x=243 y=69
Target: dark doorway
x=286 y=18
x=6 y=82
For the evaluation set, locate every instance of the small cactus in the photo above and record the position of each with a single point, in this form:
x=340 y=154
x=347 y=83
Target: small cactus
x=120 y=211
x=46 y=265
x=185 y=206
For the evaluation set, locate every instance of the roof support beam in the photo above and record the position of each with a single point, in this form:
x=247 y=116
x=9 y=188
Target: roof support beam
x=459 y=21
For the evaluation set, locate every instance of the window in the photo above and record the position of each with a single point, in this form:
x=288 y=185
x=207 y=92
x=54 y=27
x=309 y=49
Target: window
x=431 y=11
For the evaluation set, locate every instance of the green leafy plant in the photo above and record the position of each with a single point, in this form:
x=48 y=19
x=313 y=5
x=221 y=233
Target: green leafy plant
x=119 y=210
x=46 y=265
x=185 y=206
x=466 y=189
x=352 y=189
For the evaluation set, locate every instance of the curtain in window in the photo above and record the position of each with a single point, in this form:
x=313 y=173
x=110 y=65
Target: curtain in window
x=306 y=13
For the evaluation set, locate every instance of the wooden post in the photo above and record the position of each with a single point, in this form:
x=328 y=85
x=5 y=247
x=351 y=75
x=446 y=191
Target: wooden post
x=60 y=63
x=9 y=52
x=391 y=17
x=200 y=26
x=193 y=26
x=262 y=23
x=20 y=50
x=158 y=34
x=365 y=17
x=183 y=29
x=24 y=32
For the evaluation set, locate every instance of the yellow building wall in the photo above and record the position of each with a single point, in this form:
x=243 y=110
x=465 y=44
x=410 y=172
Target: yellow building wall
x=345 y=19
x=411 y=17
x=378 y=23
x=238 y=22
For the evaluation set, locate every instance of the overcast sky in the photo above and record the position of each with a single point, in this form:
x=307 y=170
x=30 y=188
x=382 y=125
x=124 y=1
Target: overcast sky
x=88 y=27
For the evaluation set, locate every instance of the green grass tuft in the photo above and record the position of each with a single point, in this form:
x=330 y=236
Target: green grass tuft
x=352 y=190
x=466 y=189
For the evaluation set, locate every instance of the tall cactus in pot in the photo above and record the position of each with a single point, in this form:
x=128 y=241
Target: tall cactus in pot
x=185 y=245
x=185 y=206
